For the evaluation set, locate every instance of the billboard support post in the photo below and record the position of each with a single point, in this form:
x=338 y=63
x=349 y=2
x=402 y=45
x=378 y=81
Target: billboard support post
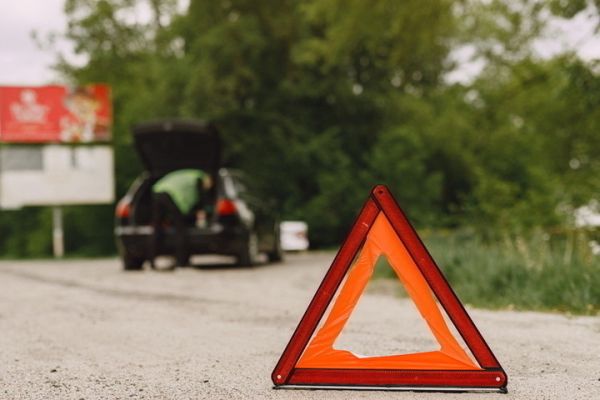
x=58 y=243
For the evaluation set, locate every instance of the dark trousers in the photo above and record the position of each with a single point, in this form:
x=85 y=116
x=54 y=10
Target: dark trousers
x=164 y=210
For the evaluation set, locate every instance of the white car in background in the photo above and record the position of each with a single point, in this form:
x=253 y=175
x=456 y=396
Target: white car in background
x=294 y=236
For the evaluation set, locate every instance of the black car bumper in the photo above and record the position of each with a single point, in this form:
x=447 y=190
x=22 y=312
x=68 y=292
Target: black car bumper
x=136 y=241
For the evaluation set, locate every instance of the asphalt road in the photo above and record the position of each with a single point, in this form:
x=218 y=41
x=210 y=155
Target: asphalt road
x=82 y=329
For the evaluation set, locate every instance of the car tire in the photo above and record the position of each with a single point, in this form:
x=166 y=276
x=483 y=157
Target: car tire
x=276 y=255
x=132 y=263
x=248 y=256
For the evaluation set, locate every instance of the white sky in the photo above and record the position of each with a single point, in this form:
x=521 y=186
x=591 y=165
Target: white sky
x=23 y=63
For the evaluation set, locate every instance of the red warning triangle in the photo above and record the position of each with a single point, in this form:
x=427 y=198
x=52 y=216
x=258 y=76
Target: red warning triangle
x=310 y=358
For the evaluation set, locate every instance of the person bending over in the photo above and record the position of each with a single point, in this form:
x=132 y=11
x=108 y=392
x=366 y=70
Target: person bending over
x=179 y=197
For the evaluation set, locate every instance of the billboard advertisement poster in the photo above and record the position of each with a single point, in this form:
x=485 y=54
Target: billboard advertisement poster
x=55 y=174
x=55 y=114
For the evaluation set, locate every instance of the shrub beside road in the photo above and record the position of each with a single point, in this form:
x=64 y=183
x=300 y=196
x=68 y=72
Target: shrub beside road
x=535 y=272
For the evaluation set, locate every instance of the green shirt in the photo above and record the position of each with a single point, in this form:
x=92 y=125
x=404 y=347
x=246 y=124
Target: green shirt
x=182 y=185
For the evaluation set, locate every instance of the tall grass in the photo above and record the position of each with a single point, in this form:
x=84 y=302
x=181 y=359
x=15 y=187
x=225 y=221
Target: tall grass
x=534 y=272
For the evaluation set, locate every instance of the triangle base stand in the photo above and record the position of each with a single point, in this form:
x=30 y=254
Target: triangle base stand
x=442 y=389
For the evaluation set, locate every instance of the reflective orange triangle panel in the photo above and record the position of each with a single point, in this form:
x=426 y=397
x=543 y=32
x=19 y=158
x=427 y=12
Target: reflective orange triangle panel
x=383 y=240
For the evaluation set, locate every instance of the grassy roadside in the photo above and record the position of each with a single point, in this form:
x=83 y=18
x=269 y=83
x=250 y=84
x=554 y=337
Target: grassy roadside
x=538 y=272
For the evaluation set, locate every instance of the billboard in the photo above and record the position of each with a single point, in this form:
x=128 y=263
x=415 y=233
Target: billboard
x=55 y=114
x=55 y=174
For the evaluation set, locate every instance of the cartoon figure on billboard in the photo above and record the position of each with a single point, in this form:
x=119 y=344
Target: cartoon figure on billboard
x=80 y=126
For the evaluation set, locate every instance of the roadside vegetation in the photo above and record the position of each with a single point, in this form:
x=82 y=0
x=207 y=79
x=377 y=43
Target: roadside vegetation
x=536 y=272
x=319 y=100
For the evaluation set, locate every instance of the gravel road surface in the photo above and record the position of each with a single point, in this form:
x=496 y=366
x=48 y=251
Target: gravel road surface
x=83 y=329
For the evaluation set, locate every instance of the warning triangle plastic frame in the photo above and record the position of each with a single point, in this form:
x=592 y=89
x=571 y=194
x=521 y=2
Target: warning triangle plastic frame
x=286 y=374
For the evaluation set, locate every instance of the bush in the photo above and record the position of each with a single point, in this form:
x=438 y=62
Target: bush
x=538 y=271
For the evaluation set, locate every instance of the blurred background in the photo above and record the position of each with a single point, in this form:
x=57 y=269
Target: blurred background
x=482 y=116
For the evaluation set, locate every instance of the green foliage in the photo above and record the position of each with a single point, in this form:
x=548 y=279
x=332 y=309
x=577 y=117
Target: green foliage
x=26 y=233
x=569 y=8
x=83 y=239
x=543 y=117
x=538 y=271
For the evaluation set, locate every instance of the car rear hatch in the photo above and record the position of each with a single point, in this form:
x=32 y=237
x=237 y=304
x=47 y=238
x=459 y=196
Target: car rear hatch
x=165 y=146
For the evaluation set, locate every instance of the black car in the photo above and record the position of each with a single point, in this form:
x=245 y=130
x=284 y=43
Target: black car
x=240 y=224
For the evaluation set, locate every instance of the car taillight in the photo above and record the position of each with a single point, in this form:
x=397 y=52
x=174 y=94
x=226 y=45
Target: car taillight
x=226 y=207
x=123 y=209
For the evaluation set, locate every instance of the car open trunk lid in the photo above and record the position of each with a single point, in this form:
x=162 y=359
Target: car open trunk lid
x=169 y=145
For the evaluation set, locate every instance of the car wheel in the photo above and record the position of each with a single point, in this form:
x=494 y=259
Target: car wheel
x=276 y=254
x=131 y=263
x=248 y=256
